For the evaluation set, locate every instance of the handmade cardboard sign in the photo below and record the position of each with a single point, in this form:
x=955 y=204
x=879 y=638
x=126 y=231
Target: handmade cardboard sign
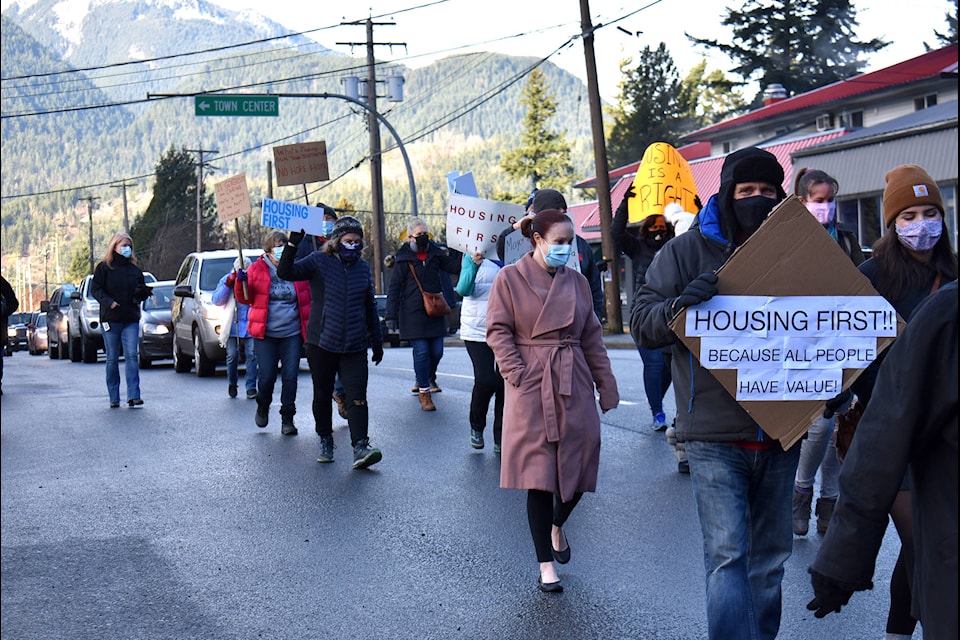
x=793 y=325
x=474 y=224
x=232 y=197
x=291 y=216
x=664 y=176
x=301 y=163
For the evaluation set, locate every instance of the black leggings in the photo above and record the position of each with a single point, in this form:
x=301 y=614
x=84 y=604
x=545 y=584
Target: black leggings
x=899 y=618
x=543 y=510
x=487 y=383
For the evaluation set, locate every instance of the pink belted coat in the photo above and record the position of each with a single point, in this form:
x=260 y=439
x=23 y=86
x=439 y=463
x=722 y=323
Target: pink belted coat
x=549 y=346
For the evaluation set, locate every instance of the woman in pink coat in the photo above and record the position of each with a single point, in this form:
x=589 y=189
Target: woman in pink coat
x=548 y=344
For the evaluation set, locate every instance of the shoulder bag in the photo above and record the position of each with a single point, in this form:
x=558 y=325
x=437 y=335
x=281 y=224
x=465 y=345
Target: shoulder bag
x=433 y=303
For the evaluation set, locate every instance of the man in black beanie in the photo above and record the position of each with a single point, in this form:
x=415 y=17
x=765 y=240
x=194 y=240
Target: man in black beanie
x=742 y=478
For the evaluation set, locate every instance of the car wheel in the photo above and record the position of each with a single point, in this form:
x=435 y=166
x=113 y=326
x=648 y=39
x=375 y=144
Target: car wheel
x=88 y=351
x=52 y=351
x=63 y=349
x=205 y=366
x=181 y=361
x=76 y=349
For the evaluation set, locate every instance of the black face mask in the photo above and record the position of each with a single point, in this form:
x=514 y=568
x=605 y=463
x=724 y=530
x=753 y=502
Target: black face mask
x=751 y=212
x=422 y=242
x=657 y=241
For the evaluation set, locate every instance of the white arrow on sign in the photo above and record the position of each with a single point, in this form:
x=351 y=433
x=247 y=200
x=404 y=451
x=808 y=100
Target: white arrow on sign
x=203 y=106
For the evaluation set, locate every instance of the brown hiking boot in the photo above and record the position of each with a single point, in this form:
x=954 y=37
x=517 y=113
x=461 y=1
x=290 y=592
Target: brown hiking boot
x=426 y=402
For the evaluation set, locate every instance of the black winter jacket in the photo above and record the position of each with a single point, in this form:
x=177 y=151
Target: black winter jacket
x=343 y=312
x=404 y=301
x=122 y=283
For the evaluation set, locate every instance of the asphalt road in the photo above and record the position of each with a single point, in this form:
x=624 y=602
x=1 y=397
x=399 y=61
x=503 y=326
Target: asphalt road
x=181 y=519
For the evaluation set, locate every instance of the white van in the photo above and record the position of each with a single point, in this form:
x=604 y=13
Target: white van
x=196 y=320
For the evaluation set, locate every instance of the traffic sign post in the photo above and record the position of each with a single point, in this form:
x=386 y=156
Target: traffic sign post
x=237 y=105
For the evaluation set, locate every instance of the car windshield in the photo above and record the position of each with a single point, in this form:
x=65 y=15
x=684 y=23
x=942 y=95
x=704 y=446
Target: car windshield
x=18 y=318
x=160 y=298
x=42 y=320
x=212 y=270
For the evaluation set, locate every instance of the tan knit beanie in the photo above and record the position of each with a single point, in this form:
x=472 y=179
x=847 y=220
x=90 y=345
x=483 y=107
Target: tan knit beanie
x=908 y=185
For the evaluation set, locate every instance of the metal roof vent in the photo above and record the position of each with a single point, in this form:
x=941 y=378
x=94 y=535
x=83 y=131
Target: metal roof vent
x=774 y=93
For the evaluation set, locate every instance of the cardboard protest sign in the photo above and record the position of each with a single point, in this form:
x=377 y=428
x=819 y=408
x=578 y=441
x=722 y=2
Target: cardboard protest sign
x=301 y=163
x=664 y=176
x=232 y=197
x=793 y=325
x=291 y=216
x=474 y=224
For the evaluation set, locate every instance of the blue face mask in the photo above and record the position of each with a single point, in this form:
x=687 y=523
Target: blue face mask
x=277 y=252
x=126 y=251
x=350 y=251
x=557 y=255
x=328 y=227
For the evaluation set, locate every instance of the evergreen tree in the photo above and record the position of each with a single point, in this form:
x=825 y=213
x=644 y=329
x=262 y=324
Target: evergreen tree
x=950 y=37
x=712 y=97
x=167 y=230
x=543 y=158
x=652 y=106
x=801 y=44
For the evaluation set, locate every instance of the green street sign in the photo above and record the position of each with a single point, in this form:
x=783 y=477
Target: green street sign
x=234 y=105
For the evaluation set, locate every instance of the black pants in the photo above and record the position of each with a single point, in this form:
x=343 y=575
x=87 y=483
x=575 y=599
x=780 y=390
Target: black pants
x=352 y=367
x=487 y=383
x=543 y=510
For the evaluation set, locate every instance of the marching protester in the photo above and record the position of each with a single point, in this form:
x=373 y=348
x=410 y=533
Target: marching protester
x=234 y=333
x=548 y=344
x=419 y=266
x=909 y=429
x=817 y=190
x=119 y=287
x=277 y=320
x=476 y=279
x=912 y=260
x=654 y=232
x=343 y=323
x=742 y=478
x=10 y=305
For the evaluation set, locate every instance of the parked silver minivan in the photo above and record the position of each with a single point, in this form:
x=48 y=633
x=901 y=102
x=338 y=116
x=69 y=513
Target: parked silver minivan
x=196 y=320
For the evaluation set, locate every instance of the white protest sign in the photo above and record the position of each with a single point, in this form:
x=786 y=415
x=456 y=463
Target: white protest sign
x=473 y=224
x=790 y=347
x=290 y=216
x=233 y=198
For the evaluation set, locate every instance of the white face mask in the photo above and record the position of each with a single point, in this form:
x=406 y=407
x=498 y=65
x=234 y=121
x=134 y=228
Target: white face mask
x=824 y=212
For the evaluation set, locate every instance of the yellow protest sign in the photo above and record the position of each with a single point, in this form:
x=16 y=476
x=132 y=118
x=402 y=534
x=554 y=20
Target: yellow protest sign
x=664 y=176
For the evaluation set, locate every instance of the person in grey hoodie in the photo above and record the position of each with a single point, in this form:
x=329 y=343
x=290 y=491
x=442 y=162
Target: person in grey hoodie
x=742 y=478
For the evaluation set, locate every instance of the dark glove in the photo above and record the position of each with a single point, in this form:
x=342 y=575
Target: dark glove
x=838 y=404
x=296 y=237
x=629 y=193
x=241 y=275
x=377 y=356
x=828 y=596
x=142 y=292
x=391 y=324
x=700 y=289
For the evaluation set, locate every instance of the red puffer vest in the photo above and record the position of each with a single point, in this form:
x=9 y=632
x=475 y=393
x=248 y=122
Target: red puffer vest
x=258 y=297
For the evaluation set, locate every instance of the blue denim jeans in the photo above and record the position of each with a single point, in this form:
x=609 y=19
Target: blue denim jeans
x=233 y=362
x=656 y=377
x=745 y=503
x=819 y=450
x=127 y=334
x=427 y=353
x=278 y=356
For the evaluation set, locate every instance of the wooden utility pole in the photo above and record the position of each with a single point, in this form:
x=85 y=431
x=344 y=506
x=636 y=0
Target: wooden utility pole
x=200 y=166
x=612 y=274
x=378 y=230
x=90 y=200
x=126 y=218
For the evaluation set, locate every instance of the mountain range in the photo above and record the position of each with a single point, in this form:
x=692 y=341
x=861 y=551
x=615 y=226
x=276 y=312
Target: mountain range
x=95 y=92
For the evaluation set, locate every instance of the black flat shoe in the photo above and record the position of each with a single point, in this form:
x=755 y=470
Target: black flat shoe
x=550 y=587
x=563 y=557
x=114 y=405
x=136 y=402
